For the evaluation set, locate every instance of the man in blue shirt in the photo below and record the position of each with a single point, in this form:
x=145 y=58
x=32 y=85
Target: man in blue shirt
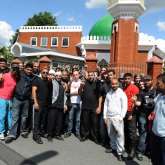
x=158 y=128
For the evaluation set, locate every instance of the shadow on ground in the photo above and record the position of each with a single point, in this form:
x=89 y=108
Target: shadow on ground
x=11 y=157
x=39 y=158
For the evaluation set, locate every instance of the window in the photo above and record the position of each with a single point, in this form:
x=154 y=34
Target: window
x=33 y=41
x=44 y=41
x=65 y=42
x=54 y=41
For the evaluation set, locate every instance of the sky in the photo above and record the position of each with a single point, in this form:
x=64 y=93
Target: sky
x=14 y=14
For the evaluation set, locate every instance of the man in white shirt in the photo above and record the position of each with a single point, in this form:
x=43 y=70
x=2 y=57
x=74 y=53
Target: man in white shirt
x=115 y=108
x=74 y=113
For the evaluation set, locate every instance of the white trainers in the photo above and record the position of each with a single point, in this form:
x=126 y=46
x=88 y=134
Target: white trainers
x=2 y=136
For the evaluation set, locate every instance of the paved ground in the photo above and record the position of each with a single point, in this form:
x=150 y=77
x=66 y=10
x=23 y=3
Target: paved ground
x=68 y=152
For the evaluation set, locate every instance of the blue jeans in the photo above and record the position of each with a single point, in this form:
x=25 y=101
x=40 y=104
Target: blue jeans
x=5 y=115
x=74 y=115
x=142 y=122
x=19 y=109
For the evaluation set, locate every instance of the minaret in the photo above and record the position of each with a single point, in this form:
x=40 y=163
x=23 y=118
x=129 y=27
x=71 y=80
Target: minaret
x=125 y=31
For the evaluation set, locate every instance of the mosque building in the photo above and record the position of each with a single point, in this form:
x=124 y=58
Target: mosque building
x=113 y=40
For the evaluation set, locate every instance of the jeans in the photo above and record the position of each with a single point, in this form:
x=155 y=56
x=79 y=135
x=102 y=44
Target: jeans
x=19 y=112
x=130 y=133
x=142 y=122
x=103 y=133
x=5 y=115
x=74 y=116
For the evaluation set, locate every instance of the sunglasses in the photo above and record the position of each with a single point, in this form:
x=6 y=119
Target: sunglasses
x=44 y=72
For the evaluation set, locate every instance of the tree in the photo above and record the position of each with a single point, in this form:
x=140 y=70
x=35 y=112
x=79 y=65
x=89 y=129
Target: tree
x=40 y=19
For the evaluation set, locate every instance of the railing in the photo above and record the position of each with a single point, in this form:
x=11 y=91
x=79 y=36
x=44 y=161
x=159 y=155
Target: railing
x=49 y=28
x=120 y=69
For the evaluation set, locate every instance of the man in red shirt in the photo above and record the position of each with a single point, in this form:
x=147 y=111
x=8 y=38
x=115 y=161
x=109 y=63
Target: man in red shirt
x=131 y=91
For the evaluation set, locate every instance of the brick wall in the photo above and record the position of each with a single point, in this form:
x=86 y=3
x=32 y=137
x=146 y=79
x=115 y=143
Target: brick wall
x=74 y=38
x=124 y=41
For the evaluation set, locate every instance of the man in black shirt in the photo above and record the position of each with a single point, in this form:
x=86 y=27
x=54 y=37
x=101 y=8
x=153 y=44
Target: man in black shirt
x=41 y=96
x=89 y=95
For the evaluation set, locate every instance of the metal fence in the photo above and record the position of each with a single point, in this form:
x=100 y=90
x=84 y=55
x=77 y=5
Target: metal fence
x=120 y=69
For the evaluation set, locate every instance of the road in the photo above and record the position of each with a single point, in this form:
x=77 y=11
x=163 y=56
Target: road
x=68 y=152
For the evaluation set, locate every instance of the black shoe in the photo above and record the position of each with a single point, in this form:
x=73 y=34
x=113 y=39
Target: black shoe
x=67 y=134
x=119 y=158
x=59 y=138
x=139 y=156
x=131 y=155
x=45 y=135
x=50 y=139
x=9 y=139
x=83 y=139
x=38 y=140
x=25 y=134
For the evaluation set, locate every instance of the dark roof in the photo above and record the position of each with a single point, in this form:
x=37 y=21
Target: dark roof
x=159 y=53
x=31 y=49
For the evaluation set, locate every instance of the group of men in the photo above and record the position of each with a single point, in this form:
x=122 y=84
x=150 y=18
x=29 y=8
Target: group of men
x=124 y=115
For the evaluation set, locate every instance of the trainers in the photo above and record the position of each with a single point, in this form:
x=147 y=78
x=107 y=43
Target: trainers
x=108 y=150
x=66 y=135
x=9 y=139
x=59 y=137
x=124 y=155
x=2 y=137
x=38 y=140
x=139 y=156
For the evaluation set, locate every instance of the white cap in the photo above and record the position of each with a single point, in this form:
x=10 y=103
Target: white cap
x=51 y=71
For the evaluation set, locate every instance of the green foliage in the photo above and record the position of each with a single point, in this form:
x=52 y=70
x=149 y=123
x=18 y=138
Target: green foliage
x=14 y=37
x=5 y=52
x=42 y=19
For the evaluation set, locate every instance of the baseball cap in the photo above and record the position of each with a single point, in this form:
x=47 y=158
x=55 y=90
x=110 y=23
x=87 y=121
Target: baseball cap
x=147 y=77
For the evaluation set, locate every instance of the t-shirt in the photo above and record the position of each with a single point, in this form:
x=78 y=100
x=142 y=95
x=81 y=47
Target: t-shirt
x=131 y=90
x=90 y=95
x=74 y=87
x=43 y=90
x=7 y=86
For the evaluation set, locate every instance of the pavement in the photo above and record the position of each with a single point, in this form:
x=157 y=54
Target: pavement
x=68 y=152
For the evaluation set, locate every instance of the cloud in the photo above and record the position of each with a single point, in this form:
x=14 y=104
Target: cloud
x=146 y=39
x=150 y=4
x=71 y=19
x=95 y=3
x=161 y=25
x=6 y=32
x=154 y=4
x=58 y=13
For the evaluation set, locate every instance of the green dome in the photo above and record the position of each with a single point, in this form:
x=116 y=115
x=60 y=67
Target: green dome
x=102 y=27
